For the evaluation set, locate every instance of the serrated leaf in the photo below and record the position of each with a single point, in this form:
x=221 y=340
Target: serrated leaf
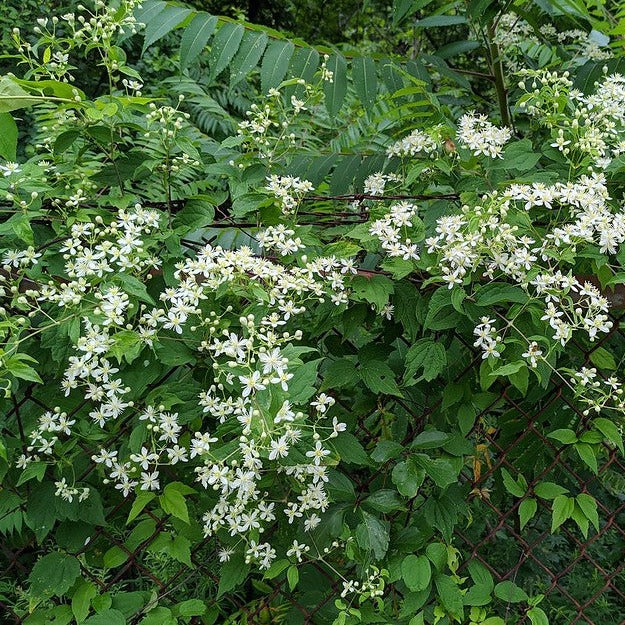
x=275 y=64
x=428 y=355
x=106 y=617
x=407 y=477
x=172 y=501
x=162 y=23
x=449 y=595
x=248 y=56
x=225 y=45
x=8 y=137
x=500 y=293
x=336 y=90
x=372 y=534
x=379 y=378
x=440 y=471
x=365 y=80
x=416 y=572
x=53 y=575
x=195 y=37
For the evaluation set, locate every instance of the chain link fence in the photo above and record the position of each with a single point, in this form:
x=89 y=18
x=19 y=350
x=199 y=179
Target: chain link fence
x=583 y=579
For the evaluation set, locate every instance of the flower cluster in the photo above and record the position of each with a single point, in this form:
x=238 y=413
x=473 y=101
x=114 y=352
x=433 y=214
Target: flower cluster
x=389 y=231
x=375 y=184
x=591 y=132
x=289 y=191
x=417 y=142
x=480 y=136
x=483 y=236
x=61 y=35
x=280 y=238
x=517 y=39
x=488 y=338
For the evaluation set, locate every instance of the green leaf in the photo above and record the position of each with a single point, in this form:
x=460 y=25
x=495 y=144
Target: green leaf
x=195 y=37
x=292 y=576
x=114 y=557
x=527 y=510
x=499 y=293
x=428 y=355
x=518 y=156
x=275 y=64
x=141 y=501
x=384 y=500
x=385 y=450
x=449 y=595
x=511 y=485
x=13 y=97
x=232 y=574
x=603 y=359
x=564 y=436
x=372 y=534
x=224 y=47
x=365 y=80
x=127 y=345
x=246 y=59
x=588 y=455
x=20 y=369
x=339 y=374
x=610 y=431
x=8 y=137
x=588 y=505
x=430 y=439
x=33 y=470
x=537 y=616
x=379 y=378
x=510 y=593
x=407 y=477
x=336 y=90
x=374 y=289
x=198 y=212
x=549 y=490
x=416 y=572
x=164 y=22
x=435 y=21
x=107 y=617
x=349 y=449
x=172 y=501
x=562 y=510
x=81 y=600
x=191 y=607
x=54 y=574
x=438 y=470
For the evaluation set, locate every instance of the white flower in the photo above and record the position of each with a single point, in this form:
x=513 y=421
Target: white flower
x=10 y=168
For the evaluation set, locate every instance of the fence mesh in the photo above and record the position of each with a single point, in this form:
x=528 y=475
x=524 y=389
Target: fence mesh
x=583 y=579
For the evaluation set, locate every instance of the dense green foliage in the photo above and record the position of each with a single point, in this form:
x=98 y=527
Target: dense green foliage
x=289 y=326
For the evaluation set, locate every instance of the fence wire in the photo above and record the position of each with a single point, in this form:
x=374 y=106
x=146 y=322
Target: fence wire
x=583 y=580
